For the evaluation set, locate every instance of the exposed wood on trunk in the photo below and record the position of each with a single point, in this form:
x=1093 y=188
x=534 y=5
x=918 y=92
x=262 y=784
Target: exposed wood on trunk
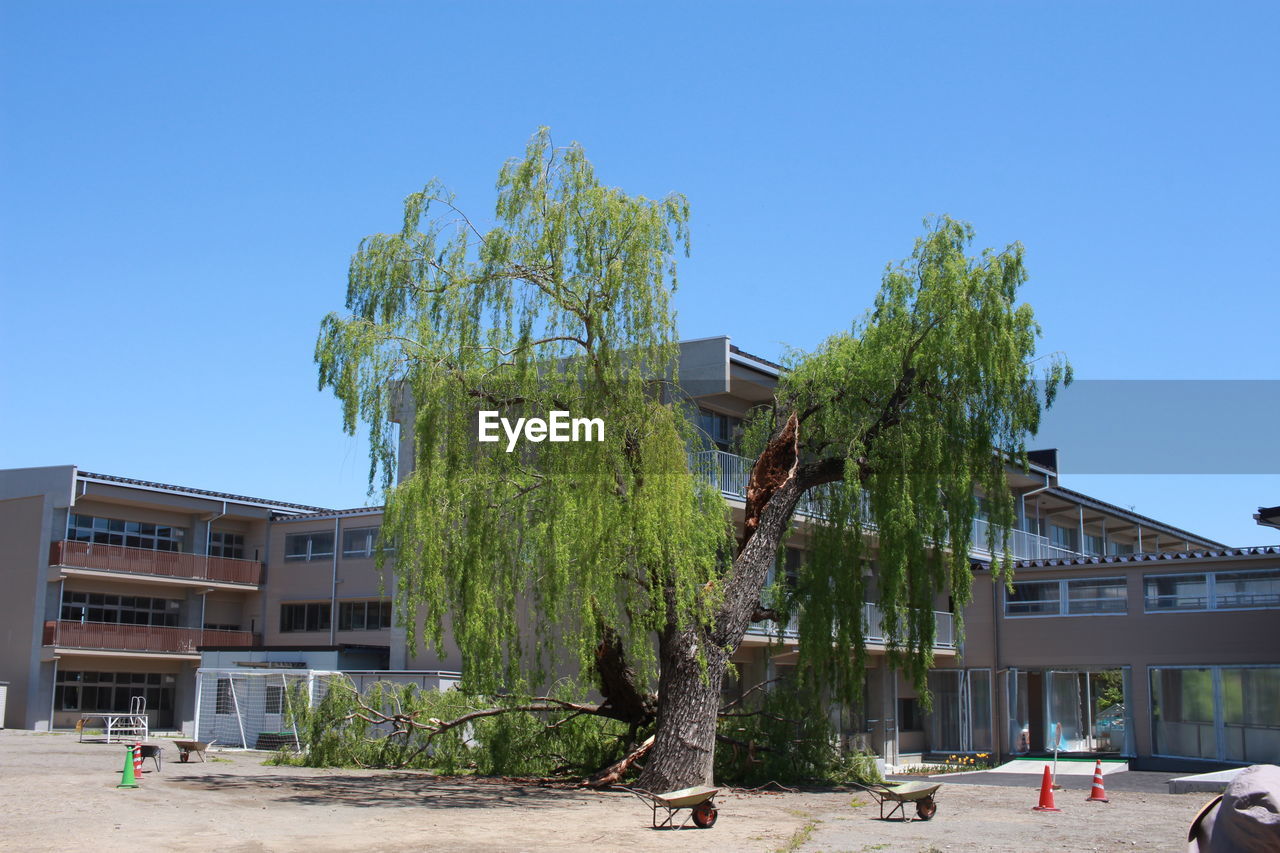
x=776 y=465
x=613 y=774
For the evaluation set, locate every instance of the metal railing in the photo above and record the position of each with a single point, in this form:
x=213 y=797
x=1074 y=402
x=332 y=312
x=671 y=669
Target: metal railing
x=730 y=473
x=143 y=561
x=114 y=636
x=872 y=627
x=1023 y=544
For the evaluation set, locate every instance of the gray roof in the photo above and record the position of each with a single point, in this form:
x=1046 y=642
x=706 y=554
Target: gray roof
x=205 y=493
x=1154 y=557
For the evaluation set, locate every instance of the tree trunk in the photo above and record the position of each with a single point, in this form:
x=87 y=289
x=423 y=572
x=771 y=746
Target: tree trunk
x=683 y=753
x=688 y=694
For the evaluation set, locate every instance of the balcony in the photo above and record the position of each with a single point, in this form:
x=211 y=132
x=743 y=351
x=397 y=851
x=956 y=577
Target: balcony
x=872 y=627
x=142 y=561
x=1023 y=545
x=729 y=473
x=113 y=636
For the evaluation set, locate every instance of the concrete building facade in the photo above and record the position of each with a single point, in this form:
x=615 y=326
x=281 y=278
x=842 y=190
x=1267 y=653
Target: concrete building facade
x=1121 y=635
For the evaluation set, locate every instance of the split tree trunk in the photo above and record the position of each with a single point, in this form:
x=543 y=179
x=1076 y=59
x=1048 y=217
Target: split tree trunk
x=683 y=753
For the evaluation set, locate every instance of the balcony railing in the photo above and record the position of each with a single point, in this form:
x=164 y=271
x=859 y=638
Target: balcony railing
x=729 y=473
x=139 y=638
x=872 y=627
x=1023 y=544
x=117 y=558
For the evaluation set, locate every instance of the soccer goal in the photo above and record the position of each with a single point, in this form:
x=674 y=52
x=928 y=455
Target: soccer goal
x=245 y=708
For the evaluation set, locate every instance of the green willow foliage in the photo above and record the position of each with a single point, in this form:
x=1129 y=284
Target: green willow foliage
x=333 y=734
x=927 y=401
x=565 y=304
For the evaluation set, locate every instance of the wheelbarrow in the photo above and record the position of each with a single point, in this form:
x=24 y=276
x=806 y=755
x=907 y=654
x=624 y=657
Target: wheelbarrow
x=698 y=800
x=901 y=793
x=186 y=747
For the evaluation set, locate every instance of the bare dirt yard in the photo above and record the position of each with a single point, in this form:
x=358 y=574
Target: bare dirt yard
x=60 y=795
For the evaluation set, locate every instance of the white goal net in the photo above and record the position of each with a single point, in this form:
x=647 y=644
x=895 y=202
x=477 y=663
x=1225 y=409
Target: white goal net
x=237 y=708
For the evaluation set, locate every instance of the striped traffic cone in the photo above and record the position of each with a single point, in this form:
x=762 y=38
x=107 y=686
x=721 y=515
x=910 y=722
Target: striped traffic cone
x=1098 y=794
x=1046 y=794
x=137 y=760
x=127 y=777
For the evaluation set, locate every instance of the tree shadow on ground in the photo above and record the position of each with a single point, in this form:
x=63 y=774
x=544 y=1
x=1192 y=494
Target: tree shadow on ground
x=391 y=790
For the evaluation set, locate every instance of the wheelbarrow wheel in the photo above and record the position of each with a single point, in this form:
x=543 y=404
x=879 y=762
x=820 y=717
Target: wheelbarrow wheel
x=704 y=815
x=926 y=808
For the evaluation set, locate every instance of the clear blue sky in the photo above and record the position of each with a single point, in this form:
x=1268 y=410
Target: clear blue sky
x=183 y=184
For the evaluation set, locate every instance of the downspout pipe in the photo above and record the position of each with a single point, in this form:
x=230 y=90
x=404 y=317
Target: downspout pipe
x=333 y=588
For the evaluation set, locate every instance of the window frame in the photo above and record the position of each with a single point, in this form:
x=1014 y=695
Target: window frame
x=322 y=611
x=309 y=554
x=1064 y=597
x=1210 y=591
x=371 y=544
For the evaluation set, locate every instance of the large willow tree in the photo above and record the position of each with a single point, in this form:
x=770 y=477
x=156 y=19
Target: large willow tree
x=613 y=552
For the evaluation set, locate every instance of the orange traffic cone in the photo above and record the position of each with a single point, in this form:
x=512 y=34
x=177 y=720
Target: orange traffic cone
x=137 y=761
x=1098 y=794
x=1046 y=795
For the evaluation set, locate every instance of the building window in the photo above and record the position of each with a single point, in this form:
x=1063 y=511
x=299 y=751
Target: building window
x=719 y=430
x=1095 y=544
x=273 y=703
x=224 y=700
x=77 y=690
x=1067 y=597
x=360 y=542
x=364 y=615
x=1067 y=538
x=304 y=617
x=1225 y=713
x=1033 y=598
x=230 y=545
x=129 y=534
x=909 y=717
x=308 y=546
x=1246 y=589
x=1241 y=590
x=1096 y=595
x=122 y=609
x=1120 y=549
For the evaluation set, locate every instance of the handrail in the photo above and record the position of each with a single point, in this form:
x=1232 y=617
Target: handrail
x=139 y=638
x=118 y=558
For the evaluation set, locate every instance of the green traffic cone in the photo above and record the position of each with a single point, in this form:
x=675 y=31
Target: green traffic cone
x=127 y=779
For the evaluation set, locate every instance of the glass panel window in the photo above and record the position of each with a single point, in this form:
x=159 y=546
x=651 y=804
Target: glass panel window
x=1094 y=544
x=364 y=615
x=1064 y=537
x=131 y=534
x=1028 y=598
x=273 y=702
x=111 y=691
x=126 y=610
x=313 y=616
x=223 y=544
x=719 y=430
x=1251 y=713
x=1182 y=712
x=308 y=546
x=359 y=542
x=1247 y=589
x=1176 y=592
x=1096 y=595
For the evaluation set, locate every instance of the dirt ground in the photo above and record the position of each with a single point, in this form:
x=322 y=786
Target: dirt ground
x=59 y=794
